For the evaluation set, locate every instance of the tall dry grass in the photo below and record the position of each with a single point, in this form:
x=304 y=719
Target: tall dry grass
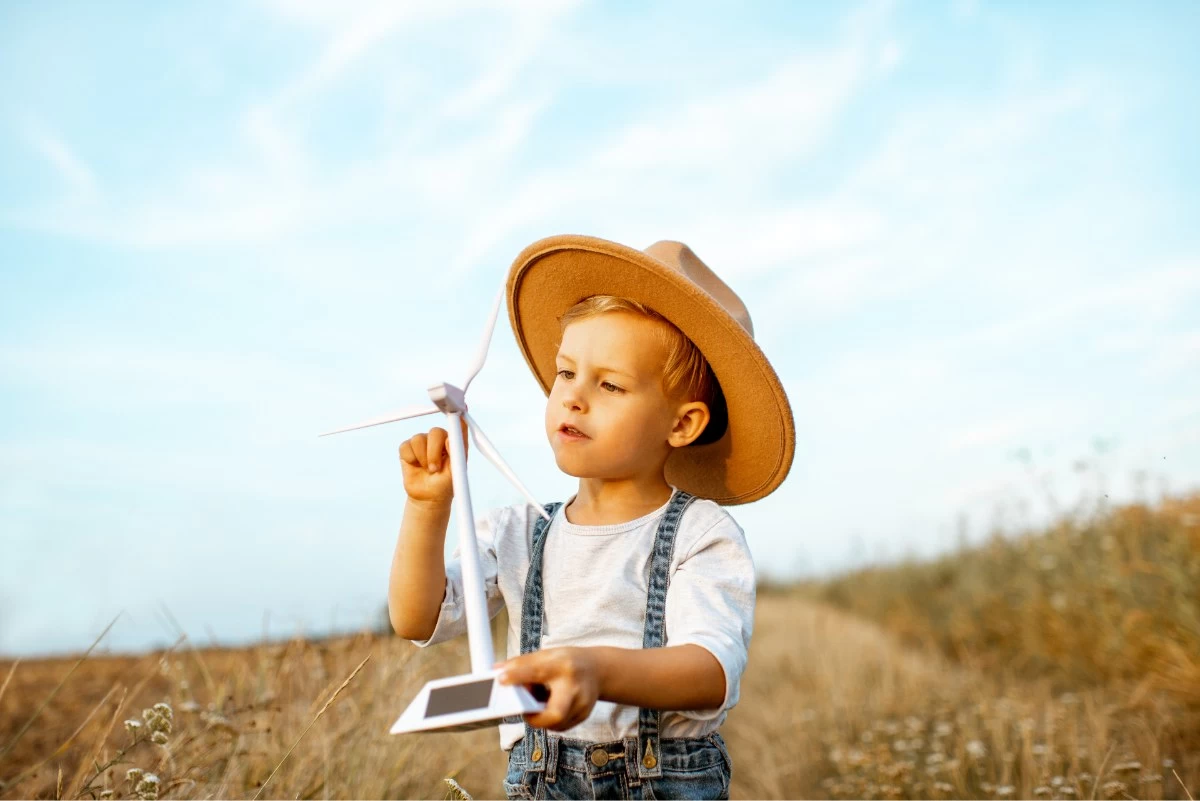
x=1105 y=597
x=922 y=704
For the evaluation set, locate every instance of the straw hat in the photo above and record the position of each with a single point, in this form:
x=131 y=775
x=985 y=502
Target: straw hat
x=754 y=454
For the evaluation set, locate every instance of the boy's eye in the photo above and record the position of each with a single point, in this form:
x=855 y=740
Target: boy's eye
x=568 y=374
x=611 y=387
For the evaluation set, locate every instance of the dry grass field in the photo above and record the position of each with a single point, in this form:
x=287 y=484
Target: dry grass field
x=963 y=678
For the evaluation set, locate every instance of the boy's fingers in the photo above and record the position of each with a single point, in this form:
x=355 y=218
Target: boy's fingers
x=557 y=710
x=524 y=670
x=434 y=449
x=417 y=445
x=406 y=453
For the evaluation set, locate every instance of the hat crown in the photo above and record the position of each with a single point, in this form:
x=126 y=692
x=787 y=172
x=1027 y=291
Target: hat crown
x=680 y=258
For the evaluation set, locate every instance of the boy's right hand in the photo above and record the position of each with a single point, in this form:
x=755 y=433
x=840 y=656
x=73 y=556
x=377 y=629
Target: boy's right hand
x=425 y=462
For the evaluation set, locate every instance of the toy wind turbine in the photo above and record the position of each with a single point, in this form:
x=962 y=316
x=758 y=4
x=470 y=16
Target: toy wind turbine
x=476 y=699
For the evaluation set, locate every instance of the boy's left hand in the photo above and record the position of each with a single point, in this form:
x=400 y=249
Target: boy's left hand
x=572 y=675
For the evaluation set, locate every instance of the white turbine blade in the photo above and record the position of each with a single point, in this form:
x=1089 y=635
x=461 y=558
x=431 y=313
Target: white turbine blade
x=481 y=355
x=489 y=450
x=401 y=414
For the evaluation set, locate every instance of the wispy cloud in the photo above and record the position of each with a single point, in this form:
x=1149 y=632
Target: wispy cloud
x=76 y=176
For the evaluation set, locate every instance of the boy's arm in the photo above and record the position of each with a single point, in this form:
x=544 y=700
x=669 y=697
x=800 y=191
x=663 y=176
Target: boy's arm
x=675 y=677
x=417 y=584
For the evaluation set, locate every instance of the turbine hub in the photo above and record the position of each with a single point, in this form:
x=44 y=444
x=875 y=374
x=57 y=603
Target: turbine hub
x=448 y=398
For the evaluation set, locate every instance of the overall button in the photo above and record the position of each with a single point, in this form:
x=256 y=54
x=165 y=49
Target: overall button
x=599 y=757
x=649 y=760
x=537 y=755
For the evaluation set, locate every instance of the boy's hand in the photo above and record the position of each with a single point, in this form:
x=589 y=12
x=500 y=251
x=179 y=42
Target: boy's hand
x=425 y=462
x=571 y=674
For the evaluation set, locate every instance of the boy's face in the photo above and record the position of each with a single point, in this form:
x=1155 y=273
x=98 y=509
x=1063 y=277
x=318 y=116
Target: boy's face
x=610 y=389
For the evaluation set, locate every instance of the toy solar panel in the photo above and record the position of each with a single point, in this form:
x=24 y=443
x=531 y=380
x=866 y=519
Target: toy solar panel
x=459 y=698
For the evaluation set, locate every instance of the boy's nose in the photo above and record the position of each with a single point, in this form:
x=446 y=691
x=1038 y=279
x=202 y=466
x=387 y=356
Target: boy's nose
x=573 y=402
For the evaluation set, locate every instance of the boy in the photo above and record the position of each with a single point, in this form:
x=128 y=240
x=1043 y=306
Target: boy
x=634 y=606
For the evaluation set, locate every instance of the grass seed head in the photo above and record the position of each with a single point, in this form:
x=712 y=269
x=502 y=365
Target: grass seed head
x=1113 y=789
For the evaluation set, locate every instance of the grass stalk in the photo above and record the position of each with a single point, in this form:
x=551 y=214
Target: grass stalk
x=310 y=724
x=37 y=712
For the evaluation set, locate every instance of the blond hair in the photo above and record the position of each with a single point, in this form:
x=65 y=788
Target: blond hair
x=686 y=374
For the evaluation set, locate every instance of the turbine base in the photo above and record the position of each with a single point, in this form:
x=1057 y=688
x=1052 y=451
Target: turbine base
x=467 y=702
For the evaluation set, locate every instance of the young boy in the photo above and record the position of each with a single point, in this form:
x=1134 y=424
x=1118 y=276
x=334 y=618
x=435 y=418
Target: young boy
x=634 y=606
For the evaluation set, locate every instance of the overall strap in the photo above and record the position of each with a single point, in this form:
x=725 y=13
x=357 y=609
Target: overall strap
x=532 y=610
x=655 y=633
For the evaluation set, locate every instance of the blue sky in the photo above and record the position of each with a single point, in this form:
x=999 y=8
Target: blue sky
x=965 y=232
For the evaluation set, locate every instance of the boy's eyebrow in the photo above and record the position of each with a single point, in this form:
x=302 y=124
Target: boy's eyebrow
x=565 y=357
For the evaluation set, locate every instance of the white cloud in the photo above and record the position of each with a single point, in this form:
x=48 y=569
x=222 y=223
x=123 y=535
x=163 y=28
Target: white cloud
x=890 y=56
x=990 y=433
x=1149 y=295
x=72 y=170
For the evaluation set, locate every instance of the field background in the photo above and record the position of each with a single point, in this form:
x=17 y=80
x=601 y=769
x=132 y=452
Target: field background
x=1055 y=664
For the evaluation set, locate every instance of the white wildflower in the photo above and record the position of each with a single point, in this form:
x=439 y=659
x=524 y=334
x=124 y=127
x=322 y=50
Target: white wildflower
x=156 y=720
x=147 y=788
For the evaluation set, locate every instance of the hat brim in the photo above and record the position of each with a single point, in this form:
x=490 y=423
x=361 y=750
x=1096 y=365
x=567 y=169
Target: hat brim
x=754 y=455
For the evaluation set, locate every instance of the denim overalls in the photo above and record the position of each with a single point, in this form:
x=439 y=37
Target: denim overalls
x=546 y=765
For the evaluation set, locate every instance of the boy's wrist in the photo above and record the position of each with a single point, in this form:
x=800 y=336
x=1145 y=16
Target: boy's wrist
x=433 y=505
x=427 y=515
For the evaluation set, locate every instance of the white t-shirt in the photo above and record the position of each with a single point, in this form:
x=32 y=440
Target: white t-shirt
x=595 y=580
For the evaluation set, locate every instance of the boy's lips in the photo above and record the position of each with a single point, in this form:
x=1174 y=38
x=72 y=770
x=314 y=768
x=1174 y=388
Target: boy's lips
x=571 y=433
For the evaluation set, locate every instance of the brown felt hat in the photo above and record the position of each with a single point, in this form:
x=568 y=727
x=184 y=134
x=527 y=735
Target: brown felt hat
x=754 y=454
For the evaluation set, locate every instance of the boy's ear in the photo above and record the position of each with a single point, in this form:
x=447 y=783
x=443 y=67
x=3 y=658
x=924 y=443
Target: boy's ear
x=690 y=423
